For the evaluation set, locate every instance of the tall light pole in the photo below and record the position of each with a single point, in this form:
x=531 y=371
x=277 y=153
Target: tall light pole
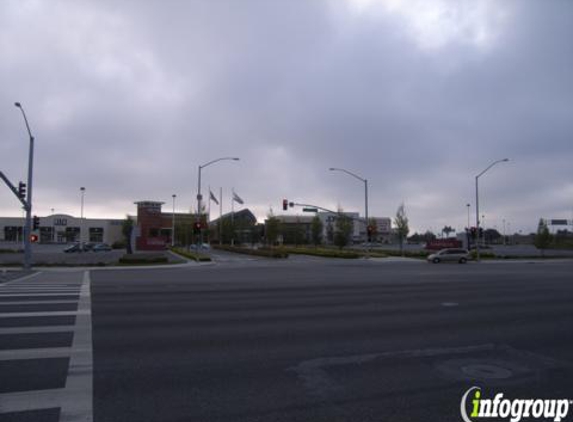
x=477 y=202
x=199 y=196
x=468 y=206
x=365 y=181
x=173 y=222
x=468 y=226
x=28 y=223
x=83 y=191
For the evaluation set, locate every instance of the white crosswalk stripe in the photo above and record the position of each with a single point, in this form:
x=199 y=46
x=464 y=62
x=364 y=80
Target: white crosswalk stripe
x=35 y=298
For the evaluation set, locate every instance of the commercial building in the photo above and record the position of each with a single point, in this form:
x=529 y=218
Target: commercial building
x=153 y=228
x=63 y=228
x=298 y=229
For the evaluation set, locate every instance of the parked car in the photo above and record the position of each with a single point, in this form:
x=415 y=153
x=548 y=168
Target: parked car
x=450 y=255
x=101 y=247
x=74 y=247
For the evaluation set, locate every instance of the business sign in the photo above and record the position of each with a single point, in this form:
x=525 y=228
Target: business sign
x=559 y=222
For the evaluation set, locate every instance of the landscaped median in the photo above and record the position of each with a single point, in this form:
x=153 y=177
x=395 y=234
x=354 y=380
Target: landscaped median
x=142 y=258
x=266 y=252
x=323 y=252
x=199 y=257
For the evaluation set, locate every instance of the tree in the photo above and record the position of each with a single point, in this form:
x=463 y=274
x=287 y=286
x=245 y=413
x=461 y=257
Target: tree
x=401 y=222
x=126 y=230
x=543 y=237
x=343 y=231
x=316 y=230
x=272 y=228
x=447 y=230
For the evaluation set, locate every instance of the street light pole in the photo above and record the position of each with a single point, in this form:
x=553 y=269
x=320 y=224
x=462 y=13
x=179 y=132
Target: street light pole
x=477 y=202
x=199 y=196
x=28 y=223
x=468 y=227
x=82 y=190
x=365 y=181
x=173 y=223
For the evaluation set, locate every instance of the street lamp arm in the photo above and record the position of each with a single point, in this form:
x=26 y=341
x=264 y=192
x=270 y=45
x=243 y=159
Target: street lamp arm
x=348 y=172
x=491 y=165
x=218 y=159
x=25 y=119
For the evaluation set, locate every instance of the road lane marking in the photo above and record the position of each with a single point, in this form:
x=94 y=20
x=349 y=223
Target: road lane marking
x=38 y=294
x=48 y=352
x=37 y=302
x=35 y=330
x=26 y=277
x=79 y=383
x=42 y=314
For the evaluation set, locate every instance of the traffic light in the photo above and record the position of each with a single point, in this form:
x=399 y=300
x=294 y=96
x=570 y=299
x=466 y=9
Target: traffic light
x=473 y=232
x=285 y=204
x=33 y=238
x=370 y=230
x=197 y=227
x=35 y=222
x=21 y=190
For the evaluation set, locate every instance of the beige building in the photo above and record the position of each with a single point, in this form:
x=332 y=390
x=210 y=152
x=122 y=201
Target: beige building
x=63 y=228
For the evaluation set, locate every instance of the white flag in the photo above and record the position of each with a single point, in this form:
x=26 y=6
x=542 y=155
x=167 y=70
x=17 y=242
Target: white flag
x=213 y=198
x=237 y=198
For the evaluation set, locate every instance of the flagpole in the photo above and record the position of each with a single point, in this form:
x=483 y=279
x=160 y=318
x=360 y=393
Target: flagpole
x=220 y=215
x=209 y=218
x=233 y=216
x=209 y=208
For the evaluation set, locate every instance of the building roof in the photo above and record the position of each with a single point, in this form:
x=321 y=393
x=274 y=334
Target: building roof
x=245 y=213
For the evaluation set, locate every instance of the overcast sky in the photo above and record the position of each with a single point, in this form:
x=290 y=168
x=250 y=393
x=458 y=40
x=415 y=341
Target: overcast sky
x=127 y=98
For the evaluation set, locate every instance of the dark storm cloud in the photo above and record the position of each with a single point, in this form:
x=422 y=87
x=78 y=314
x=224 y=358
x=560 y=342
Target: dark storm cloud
x=127 y=98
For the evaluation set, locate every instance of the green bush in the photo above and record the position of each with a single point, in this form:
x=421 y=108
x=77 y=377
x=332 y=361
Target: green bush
x=266 y=252
x=192 y=255
x=143 y=258
x=410 y=254
x=323 y=252
x=11 y=250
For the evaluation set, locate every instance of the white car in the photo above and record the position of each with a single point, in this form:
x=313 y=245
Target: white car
x=451 y=254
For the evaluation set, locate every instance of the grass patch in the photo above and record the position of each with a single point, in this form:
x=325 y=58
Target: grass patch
x=199 y=257
x=324 y=252
x=265 y=252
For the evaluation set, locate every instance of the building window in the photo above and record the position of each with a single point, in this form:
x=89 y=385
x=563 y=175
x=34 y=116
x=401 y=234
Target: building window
x=13 y=234
x=96 y=234
x=72 y=234
x=153 y=232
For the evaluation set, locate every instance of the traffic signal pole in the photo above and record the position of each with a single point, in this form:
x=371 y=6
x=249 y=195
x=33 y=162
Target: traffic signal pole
x=28 y=207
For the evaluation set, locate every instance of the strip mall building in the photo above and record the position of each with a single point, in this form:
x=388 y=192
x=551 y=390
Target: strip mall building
x=63 y=228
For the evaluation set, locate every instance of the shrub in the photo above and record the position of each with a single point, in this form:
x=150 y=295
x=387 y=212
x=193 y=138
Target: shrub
x=325 y=253
x=266 y=252
x=143 y=258
x=192 y=255
x=119 y=244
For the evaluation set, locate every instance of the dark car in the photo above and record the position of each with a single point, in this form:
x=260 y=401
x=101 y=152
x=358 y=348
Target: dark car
x=75 y=247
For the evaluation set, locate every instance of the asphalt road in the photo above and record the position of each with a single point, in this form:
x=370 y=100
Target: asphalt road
x=316 y=340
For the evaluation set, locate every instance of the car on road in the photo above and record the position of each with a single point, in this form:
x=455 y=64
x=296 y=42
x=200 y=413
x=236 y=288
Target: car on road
x=101 y=247
x=450 y=255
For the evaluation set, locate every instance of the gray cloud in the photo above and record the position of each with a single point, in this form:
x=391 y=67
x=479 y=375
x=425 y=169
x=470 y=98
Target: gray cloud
x=128 y=98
